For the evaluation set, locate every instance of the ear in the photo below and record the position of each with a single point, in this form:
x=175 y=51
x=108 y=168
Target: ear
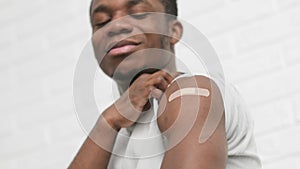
x=175 y=32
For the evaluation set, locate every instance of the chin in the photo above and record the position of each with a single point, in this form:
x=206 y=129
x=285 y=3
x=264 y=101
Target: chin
x=131 y=74
x=125 y=74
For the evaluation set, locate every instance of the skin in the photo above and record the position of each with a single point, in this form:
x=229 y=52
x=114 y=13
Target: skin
x=189 y=153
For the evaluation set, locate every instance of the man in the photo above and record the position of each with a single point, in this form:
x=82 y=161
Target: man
x=142 y=63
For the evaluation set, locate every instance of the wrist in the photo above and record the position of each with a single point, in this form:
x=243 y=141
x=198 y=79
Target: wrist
x=111 y=120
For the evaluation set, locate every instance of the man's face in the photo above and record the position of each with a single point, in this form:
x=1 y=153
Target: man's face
x=121 y=35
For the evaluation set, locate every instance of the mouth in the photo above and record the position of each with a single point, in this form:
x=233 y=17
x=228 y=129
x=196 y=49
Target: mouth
x=122 y=47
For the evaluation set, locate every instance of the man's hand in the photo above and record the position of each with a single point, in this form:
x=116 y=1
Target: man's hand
x=135 y=100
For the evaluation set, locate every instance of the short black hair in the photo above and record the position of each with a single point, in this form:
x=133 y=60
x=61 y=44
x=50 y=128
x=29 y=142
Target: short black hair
x=170 y=7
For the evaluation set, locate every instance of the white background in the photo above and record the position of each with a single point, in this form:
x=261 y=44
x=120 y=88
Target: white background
x=41 y=40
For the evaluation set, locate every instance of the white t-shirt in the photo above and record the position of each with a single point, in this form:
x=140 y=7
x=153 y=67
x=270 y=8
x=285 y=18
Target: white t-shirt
x=142 y=146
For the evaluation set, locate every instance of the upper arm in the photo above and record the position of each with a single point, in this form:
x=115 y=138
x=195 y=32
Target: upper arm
x=183 y=119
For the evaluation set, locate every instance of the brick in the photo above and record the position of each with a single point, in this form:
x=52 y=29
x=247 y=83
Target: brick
x=268 y=30
x=224 y=46
x=274 y=85
x=31 y=28
x=8 y=79
x=61 y=36
x=292 y=84
x=287 y=3
x=25 y=93
x=5 y=4
x=39 y=158
x=286 y=162
x=8 y=36
x=23 y=142
x=8 y=126
x=73 y=5
x=6 y=11
x=36 y=86
x=62 y=160
x=64 y=17
x=271 y=116
x=27 y=49
x=296 y=107
x=291 y=50
x=188 y=10
x=279 y=143
x=30 y=159
x=104 y=88
x=7 y=57
x=8 y=164
x=263 y=88
x=59 y=82
x=67 y=22
x=255 y=63
x=43 y=112
x=20 y=9
x=230 y=17
x=50 y=63
x=193 y=63
x=67 y=149
x=36 y=68
x=63 y=128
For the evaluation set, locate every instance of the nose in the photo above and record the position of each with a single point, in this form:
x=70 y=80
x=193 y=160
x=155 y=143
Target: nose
x=120 y=26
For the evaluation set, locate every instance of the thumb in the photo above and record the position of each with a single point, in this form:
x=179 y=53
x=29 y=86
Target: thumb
x=156 y=93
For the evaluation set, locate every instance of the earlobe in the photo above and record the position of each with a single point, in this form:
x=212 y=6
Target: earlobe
x=176 y=31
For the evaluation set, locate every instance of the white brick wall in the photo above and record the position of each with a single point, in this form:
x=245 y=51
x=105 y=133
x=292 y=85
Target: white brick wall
x=257 y=41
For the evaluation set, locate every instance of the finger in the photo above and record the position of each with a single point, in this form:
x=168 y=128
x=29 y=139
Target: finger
x=139 y=77
x=162 y=85
x=156 y=93
x=168 y=77
x=164 y=74
x=158 y=82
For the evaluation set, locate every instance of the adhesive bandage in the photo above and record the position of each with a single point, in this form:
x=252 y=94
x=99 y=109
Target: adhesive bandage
x=189 y=91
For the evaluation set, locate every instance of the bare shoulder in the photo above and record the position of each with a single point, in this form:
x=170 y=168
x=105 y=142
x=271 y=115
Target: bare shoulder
x=192 y=106
x=191 y=81
x=195 y=91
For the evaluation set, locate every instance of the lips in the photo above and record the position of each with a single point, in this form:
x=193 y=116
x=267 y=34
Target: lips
x=121 y=47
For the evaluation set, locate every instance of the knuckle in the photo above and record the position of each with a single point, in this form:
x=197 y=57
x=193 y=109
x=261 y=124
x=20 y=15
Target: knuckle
x=164 y=73
x=159 y=79
x=143 y=76
x=146 y=84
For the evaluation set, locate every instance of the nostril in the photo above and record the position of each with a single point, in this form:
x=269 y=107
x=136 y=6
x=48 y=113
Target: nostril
x=119 y=27
x=110 y=33
x=117 y=32
x=125 y=31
